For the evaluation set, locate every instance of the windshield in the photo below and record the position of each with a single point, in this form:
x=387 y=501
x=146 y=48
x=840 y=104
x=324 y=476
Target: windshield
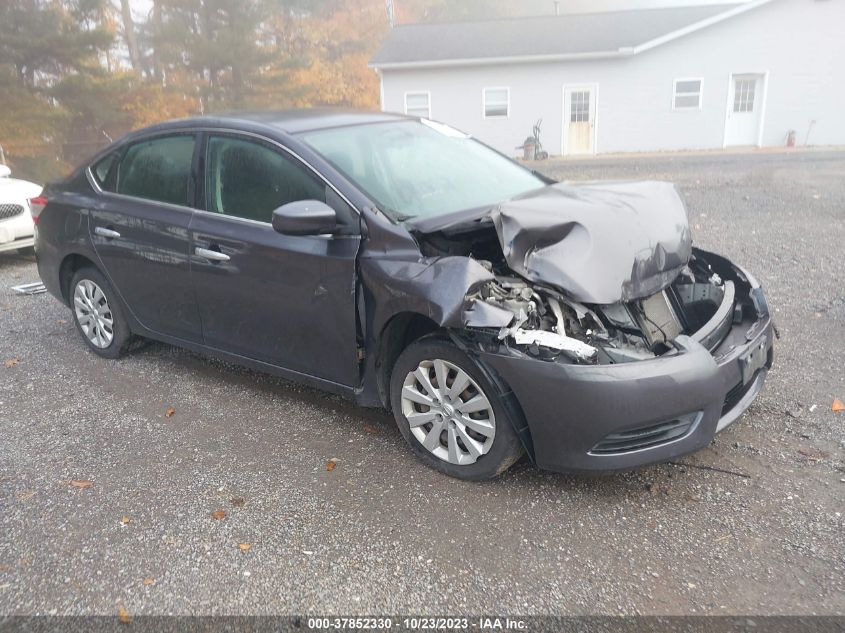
x=420 y=169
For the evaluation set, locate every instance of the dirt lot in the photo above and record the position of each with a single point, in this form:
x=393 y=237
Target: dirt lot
x=383 y=534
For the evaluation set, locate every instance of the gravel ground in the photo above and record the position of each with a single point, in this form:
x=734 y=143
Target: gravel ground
x=383 y=534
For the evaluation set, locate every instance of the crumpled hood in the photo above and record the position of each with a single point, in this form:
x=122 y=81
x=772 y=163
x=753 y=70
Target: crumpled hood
x=598 y=242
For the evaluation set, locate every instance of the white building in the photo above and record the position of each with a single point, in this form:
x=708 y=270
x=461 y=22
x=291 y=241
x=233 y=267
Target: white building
x=686 y=77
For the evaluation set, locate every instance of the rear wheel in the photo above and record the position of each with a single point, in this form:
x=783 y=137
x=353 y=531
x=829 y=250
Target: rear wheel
x=450 y=414
x=98 y=315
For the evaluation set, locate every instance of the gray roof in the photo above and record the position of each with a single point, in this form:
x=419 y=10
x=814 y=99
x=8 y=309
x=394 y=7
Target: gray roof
x=541 y=37
x=292 y=121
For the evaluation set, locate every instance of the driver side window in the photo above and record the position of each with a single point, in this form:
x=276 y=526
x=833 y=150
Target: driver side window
x=248 y=179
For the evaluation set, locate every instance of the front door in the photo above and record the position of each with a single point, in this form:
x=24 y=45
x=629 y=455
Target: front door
x=286 y=300
x=139 y=229
x=745 y=110
x=579 y=120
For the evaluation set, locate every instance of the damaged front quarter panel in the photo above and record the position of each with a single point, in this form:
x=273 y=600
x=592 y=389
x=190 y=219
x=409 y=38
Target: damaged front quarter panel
x=600 y=242
x=401 y=280
x=434 y=287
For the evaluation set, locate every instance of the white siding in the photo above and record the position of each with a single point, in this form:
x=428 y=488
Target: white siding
x=598 y=6
x=799 y=44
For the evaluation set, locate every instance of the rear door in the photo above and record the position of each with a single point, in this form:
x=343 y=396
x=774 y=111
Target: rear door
x=139 y=228
x=281 y=299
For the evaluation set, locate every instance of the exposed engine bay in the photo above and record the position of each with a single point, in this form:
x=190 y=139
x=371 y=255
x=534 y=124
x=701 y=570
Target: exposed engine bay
x=546 y=323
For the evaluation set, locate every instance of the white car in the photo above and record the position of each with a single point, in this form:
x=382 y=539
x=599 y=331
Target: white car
x=17 y=229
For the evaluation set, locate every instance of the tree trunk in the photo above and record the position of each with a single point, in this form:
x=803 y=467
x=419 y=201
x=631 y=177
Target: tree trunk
x=158 y=73
x=129 y=35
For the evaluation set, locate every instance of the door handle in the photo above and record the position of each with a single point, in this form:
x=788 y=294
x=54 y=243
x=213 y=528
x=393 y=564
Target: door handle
x=107 y=233
x=214 y=256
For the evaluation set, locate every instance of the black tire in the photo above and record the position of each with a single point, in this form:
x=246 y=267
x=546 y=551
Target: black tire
x=506 y=447
x=121 y=334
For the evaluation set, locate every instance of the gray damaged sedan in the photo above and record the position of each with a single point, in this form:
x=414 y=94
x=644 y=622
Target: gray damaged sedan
x=403 y=264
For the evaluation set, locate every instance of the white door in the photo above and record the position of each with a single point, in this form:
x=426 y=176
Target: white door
x=745 y=110
x=579 y=120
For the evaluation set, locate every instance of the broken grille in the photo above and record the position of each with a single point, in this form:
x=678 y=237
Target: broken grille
x=646 y=436
x=10 y=210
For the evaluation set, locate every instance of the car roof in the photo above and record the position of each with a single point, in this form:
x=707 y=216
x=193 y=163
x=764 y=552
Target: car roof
x=289 y=121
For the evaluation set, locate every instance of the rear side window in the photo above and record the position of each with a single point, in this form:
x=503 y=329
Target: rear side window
x=158 y=169
x=101 y=170
x=248 y=179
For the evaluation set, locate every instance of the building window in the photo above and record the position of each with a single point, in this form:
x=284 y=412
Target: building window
x=579 y=106
x=744 y=94
x=687 y=94
x=497 y=103
x=418 y=104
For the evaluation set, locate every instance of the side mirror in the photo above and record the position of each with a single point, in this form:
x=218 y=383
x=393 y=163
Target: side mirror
x=5 y=172
x=305 y=217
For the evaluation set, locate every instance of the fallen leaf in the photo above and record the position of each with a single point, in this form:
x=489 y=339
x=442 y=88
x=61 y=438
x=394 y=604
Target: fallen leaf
x=218 y=514
x=370 y=429
x=25 y=494
x=123 y=616
x=61 y=322
x=814 y=454
x=238 y=502
x=331 y=464
x=169 y=413
x=11 y=362
x=125 y=520
x=81 y=483
x=149 y=581
x=244 y=546
x=837 y=405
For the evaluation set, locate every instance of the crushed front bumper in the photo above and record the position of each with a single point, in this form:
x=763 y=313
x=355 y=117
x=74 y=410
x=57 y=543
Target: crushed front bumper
x=612 y=417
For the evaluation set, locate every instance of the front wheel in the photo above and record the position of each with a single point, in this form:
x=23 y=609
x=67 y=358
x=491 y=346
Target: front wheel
x=449 y=412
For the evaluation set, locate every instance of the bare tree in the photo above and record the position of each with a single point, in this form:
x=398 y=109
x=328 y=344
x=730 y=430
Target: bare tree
x=130 y=36
x=157 y=70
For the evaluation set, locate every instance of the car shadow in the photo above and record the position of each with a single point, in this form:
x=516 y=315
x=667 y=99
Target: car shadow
x=263 y=384
x=14 y=258
x=330 y=407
